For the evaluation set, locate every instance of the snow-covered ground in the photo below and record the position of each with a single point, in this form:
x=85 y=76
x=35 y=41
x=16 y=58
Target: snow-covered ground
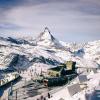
x=46 y=51
x=85 y=94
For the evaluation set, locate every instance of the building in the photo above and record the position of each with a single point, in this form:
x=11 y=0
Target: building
x=63 y=69
x=70 y=65
x=9 y=77
x=55 y=81
x=54 y=72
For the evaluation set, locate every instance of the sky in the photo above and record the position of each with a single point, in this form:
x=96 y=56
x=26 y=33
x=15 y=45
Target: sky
x=68 y=20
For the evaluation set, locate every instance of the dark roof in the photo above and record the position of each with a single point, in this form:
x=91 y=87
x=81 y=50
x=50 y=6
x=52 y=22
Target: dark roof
x=55 y=69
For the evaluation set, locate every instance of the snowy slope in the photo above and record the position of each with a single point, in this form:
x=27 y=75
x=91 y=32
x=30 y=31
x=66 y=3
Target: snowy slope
x=48 y=50
x=92 y=51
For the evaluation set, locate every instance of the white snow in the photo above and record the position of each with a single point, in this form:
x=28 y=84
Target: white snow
x=49 y=47
x=92 y=83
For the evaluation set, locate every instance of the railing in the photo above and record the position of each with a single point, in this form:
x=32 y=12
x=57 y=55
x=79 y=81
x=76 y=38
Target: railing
x=13 y=93
x=16 y=93
x=13 y=89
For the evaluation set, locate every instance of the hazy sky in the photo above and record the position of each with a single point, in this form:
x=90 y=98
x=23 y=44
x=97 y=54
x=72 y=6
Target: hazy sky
x=68 y=20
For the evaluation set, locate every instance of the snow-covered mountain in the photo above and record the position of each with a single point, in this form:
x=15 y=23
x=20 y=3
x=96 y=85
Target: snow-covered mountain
x=46 y=49
x=46 y=39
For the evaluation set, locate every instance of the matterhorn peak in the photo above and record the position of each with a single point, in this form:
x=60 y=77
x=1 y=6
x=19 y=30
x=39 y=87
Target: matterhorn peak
x=46 y=39
x=46 y=30
x=45 y=35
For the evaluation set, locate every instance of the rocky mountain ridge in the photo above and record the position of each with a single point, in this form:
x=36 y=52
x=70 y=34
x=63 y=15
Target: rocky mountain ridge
x=48 y=50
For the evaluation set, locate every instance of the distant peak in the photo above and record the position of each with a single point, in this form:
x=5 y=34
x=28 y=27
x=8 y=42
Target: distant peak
x=46 y=30
x=45 y=35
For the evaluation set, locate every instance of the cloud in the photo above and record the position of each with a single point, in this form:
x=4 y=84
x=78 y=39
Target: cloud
x=9 y=26
x=66 y=18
